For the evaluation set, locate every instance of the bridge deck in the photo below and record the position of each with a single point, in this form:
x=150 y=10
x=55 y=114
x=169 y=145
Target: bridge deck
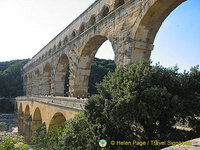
x=65 y=102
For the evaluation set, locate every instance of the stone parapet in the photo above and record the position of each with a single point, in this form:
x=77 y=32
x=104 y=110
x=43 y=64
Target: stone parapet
x=67 y=102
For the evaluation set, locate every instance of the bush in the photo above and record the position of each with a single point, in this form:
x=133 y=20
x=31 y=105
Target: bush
x=47 y=141
x=143 y=102
x=76 y=134
x=11 y=143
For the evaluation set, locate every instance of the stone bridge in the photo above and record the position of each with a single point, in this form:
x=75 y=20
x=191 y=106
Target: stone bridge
x=35 y=112
x=129 y=25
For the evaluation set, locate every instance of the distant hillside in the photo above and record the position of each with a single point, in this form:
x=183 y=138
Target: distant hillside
x=10 y=78
x=11 y=81
x=100 y=68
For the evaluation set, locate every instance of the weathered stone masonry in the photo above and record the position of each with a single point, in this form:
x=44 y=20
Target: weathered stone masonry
x=130 y=26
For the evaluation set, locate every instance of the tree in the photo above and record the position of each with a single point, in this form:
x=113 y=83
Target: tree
x=144 y=102
x=11 y=78
x=76 y=134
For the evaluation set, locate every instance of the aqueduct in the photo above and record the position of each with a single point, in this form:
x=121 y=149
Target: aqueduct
x=130 y=26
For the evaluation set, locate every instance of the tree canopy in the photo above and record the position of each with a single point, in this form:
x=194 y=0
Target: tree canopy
x=141 y=102
x=11 y=78
x=144 y=102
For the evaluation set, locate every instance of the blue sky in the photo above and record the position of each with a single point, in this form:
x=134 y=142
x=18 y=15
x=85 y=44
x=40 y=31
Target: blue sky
x=28 y=25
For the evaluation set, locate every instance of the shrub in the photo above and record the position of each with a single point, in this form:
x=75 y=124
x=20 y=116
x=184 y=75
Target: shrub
x=76 y=134
x=10 y=143
x=143 y=102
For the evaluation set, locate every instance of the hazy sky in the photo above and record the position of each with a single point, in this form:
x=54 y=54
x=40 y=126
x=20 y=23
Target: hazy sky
x=26 y=26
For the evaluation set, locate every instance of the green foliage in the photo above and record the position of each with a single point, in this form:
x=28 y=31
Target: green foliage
x=10 y=78
x=53 y=137
x=143 y=102
x=39 y=139
x=99 y=68
x=76 y=134
x=46 y=141
x=8 y=143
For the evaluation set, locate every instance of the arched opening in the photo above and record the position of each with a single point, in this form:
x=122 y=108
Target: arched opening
x=36 y=82
x=92 y=20
x=46 y=80
x=82 y=28
x=57 y=121
x=26 y=116
x=27 y=112
x=65 y=40
x=149 y=24
x=104 y=12
x=20 y=107
x=20 y=119
x=61 y=76
x=73 y=35
x=118 y=3
x=80 y=84
x=37 y=119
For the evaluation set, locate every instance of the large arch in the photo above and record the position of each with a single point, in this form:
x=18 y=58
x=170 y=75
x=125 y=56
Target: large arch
x=46 y=80
x=26 y=116
x=60 y=75
x=20 y=108
x=37 y=119
x=26 y=112
x=79 y=84
x=58 y=120
x=149 y=23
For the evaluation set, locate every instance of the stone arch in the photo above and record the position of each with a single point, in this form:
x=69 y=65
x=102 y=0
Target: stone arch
x=118 y=3
x=20 y=108
x=36 y=82
x=46 y=79
x=65 y=40
x=26 y=116
x=20 y=119
x=26 y=112
x=49 y=53
x=37 y=119
x=58 y=119
x=73 y=35
x=59 y=44
x=104 y=12
x=149 y=23
x=92 y=20
x=79 y=85
x=60 y=75
x=82 y=28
